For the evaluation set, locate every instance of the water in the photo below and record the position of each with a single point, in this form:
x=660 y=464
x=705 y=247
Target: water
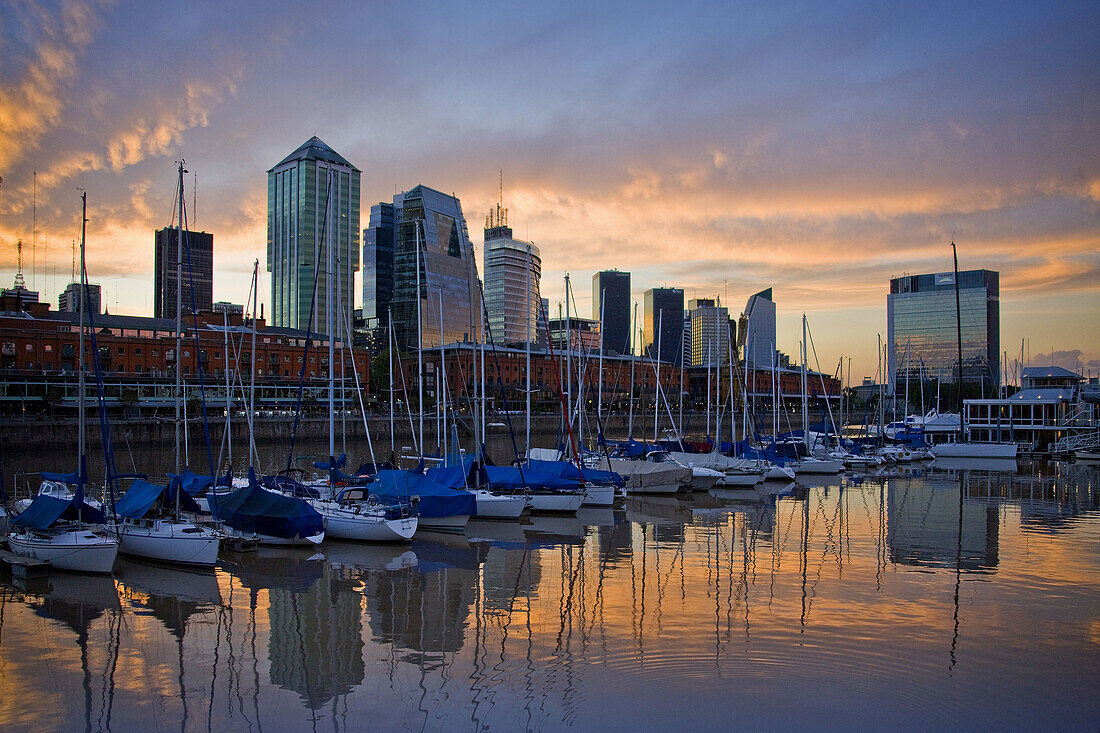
x=841 y=605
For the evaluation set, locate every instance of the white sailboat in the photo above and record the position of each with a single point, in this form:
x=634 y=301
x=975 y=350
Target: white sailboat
x=39 y=531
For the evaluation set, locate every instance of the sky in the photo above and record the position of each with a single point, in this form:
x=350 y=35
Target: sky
x=816 y=148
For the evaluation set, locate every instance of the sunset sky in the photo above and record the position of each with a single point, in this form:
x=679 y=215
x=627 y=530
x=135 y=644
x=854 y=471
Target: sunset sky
x=724 y=148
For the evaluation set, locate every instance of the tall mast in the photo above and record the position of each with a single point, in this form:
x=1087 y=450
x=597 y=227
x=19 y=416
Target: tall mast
x=959 y=335
x=80 y=363
x=568 y=350
x=255 y=456
x=599 y=390
x=657 y=359
x=805 y=395
x=330 y=328
x=228 y=389
x=389 y=352
x=630 y=418
x=179 y=313
x=527 y=318
x=419 y=344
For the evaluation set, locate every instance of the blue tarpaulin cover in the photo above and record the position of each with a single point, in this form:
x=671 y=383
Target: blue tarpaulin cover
x=286 y=483
x=340 y=462
x=193 y=483
x=534 y=477
x=140 y=497
x=569 y=472
x=65 y=478
x=45 y=510
x=436 y=500
x=255 y=509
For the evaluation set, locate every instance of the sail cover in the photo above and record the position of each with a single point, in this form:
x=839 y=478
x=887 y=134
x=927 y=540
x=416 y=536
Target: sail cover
x=45 y=510
x=141 y=496
x=255 y=509
x=436 y=500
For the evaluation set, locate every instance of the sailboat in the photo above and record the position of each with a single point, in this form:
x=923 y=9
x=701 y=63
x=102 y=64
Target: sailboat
x=167 y=536
x=964 y=449
x=54 y=526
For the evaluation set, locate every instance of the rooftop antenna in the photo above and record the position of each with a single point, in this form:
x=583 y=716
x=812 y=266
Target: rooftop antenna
x=19 y=282
x=34 y=230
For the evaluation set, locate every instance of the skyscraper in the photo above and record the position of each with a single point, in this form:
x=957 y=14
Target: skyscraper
x=921 y=326
x=664 y=310
x=378 y=266
x=429 y=228
x=710 y=332
x=68 y=301
x=760 y=337
x=312 y=199
x=513 y=269
x=611 y=288
x=197 y=270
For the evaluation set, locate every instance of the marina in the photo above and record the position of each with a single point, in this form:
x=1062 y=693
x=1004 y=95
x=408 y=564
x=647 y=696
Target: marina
x=952 y=597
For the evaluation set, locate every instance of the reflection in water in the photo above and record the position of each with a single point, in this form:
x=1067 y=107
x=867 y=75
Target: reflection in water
x=845 y=601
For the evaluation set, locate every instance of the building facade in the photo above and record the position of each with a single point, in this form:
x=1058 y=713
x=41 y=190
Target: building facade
x=611 y=293
x=760 y=337
x=921 y=327
x=68 y=301
x=197 y=269
x=664 y=312
x=312 y=200
x=710 y=333
x=430 y=231
x=513 y=269
x=378 y=266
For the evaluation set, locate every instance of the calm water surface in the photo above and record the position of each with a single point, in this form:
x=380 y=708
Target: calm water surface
x=883 y=604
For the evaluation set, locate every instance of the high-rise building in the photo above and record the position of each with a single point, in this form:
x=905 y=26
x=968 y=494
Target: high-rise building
x=312 y=199
x=69 y=299
x=664 y=311
x=429 y=228
x=513 y=269
x=710 y=332
x=760 y=343
x=197 y=270
x=611 y=289
x=378 y=266
x=921 y=326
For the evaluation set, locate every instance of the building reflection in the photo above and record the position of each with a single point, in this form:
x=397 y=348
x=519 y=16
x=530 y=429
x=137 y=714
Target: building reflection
x=923 y=526
x=171 y=595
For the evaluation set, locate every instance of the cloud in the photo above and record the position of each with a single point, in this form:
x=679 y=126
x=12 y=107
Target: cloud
x=1067 y=359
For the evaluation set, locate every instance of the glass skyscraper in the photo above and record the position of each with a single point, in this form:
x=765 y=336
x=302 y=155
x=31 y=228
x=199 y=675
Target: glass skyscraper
x=378 y=240
x=664 y=310
x=312 y=199
x=612 y=289
x=513 y=269
x=760 y=336
x=921 y=326
x=430 y=224
x=198 y=271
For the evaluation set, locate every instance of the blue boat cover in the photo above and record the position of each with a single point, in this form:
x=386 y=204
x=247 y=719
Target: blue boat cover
x=255 y=509
x=570 y=472
x=193 y=483
x=286 y=483
x=535 y=477
x=436 y=500
x=45 y=510
x=453 y=477
x=140 y=497
x=340 y=462
x=65 y=478
x=369 y=469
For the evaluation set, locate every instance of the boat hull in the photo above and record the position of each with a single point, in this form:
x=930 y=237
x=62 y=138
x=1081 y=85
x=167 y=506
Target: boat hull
x=731 y=480
x=556 y=503
x=500 y=506
x=79 y=551
x=598 y=495
x=166 y=542
x=366 y=528
x=815 y=465
x=974 y=450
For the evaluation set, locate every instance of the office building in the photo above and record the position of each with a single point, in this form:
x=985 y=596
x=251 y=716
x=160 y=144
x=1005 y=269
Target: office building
x=429 y=228
x=69 y=299
x=583 y=333
x=710 y=332
x=921 y=327
x=611 y=290
x=378 y=267
x=663 y=323
x=760 y=338
x=513 y=269
x=197 y=270
x=312 y=200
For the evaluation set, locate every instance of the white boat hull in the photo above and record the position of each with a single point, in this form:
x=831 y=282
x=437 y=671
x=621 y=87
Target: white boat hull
x=81 y=551
x=163 y=541
x=817 y=465
x=779 y=473
x=704 y=479
x=598 y=495
x=974 y=450
x=347 y=525
x=555 y=502
x=499 y=506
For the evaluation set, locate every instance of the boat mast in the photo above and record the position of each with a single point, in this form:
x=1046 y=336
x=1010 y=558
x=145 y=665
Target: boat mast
x=255 y=455
x=568 y=354
x=959 y=336
x=389 y=353
x=330 y=328
x=805 y=397
x=599 y=389
x=80 y=363
x=657 y=370
x=228 y=389
x=179 y=311
x=419 y=344
x=527 y=319
x=630 y=417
